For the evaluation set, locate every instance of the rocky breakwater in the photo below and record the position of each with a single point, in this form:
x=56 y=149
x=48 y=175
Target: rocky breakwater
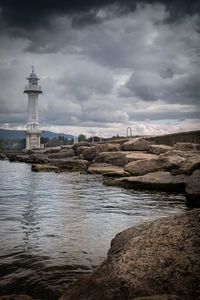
x=138 y=161
x=155 y=260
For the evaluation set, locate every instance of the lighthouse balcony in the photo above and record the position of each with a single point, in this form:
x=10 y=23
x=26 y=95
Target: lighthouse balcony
x=32 y=88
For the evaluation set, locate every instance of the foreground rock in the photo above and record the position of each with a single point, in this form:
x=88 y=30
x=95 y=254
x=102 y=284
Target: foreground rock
x=107 y=169
x=193 y=189
x=158 y=259
x=160 y=180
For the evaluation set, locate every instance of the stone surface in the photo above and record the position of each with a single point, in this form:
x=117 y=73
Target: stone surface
x=90 y=153
x=121 y=158
x=107 y=169
x=77 y=145
x=45 y=168
x=142 y=167
x=37 y=158
x=158 y=149
x=80 y=150
x=160 y=180
x=17 y=297
x=139 y=155
x=117 y=158
x=191 y=164
x=63 y=154
x=193 y=189
x=186 y=146
x=136 y=144
x=158 y=259
x=52 y=149
x=172 y=162
x=3 y=156
x=70 y=164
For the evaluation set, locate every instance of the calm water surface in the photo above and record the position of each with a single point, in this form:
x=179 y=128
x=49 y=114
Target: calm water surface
x=55 y=227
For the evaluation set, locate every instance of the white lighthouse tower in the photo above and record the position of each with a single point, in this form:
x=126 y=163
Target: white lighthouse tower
x=33 y=131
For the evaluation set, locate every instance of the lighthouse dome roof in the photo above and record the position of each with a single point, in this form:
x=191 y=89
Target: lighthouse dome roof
x=33 y=75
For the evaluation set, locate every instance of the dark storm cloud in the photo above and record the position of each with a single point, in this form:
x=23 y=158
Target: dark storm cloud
x=24 y=14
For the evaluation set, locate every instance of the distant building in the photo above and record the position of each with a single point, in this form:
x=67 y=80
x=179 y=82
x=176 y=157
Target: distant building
x=33 y=131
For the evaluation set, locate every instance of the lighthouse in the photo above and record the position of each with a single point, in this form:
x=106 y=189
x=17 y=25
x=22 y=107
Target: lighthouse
x=33 y=131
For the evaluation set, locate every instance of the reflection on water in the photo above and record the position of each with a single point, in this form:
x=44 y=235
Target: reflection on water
x=55 y=227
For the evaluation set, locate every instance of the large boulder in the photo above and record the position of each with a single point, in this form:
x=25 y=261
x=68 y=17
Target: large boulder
x=172 y=162
x=22 y=157
x=62 y=154
x=139 y=155
x=186 y=146
x=142 y=167
x=117 y=158
x=136 y=144
x=90 y=153
x=37 y=158
x=52 y=149
x=80 y=144
x=158 y=149
x=157 y=260
x=3 y=156
x=121 y=158
x=191 y=164
x=193 y=189
x=107 y=169
x=80 y=150
x=70 y=164
x=160 y=180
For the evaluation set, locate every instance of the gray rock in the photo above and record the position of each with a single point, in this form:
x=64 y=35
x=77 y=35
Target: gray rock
x=160 y=180
x=3 y=156
x=172 y=162
x=114 y=158
x=186 y=146
x=107 y=169
x=136 y=144
x=157 y=260
x=158 y=149
x=142 y=167
x=70 y=164
x=45 y=168
x=191 y=164
x=193 y=189
x=90 y=153
x=77 y=145
x=63 y=154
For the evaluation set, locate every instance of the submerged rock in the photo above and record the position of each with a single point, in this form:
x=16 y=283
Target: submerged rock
x=45 y=168
x=160 y=180
x=155 y=260
x=107 y=169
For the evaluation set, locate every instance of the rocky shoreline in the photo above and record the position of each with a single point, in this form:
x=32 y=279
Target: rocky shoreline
x=131 y=163
x=154 y=261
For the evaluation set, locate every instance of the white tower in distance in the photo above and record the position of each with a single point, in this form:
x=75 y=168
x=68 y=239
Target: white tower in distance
x=33 y=131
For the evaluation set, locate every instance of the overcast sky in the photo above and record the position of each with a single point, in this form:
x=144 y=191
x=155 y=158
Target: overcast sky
x=103 y=65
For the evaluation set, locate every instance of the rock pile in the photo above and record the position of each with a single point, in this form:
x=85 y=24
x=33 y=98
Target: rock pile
x=141 y=163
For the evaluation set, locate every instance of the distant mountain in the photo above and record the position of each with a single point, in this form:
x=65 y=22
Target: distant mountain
x=8 y=134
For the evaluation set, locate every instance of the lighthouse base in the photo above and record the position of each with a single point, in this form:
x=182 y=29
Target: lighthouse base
x=33 y=139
